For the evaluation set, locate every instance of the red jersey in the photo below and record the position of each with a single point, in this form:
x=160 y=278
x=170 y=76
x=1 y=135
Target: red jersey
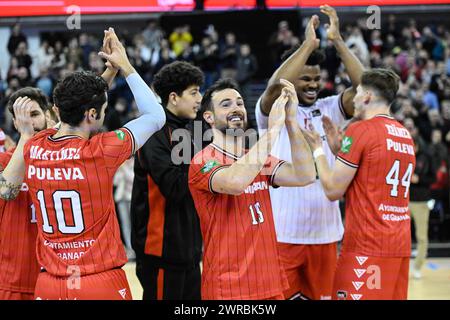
x=18 y=263
x=70 y=181
x=377 y=218
x=240 y=248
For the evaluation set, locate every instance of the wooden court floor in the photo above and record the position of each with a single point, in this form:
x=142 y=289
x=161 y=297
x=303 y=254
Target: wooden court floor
x=434 y=285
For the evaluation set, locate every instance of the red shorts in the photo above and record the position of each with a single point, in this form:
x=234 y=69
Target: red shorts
x=277 y=297
x=107 y=285
x=309 y=268
x=15 y=295
x=359 y=277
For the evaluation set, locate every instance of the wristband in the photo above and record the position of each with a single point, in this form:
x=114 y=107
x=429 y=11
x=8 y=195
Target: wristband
x=318 y=152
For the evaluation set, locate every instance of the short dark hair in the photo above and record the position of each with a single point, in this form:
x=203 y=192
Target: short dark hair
x=176 y=77
x=314 y=59
x=219 y=85
x=34 y=94
x=77 y=93
x=384 y=81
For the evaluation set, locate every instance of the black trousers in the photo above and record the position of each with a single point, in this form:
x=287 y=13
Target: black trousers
x=165 y=283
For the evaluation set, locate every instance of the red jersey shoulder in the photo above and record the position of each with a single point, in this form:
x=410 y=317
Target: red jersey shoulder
x=355 y=139
x=203 y=166
x=205 y=156
x=38 y=137
x=43 y=134
x=119 y=137
x=4 y=158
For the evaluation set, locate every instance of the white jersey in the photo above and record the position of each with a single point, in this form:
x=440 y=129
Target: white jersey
x=304 y=215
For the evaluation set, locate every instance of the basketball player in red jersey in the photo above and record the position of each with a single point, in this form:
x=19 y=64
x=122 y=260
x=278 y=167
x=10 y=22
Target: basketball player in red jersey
x=18 y=231
x=230 y=188
x=373 y=169
x=70 y=173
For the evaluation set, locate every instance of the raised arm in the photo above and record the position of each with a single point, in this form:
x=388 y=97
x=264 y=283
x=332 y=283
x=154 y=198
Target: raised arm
x=234 y=179
x=352 y=65
x=110 y=72
x=152 y=116
x=12 y=177
x=301 y=171
x=289 y=69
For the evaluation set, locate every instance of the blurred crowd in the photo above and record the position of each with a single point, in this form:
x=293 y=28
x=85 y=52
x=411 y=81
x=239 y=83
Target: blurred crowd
x=152 y=48
x=419 y=54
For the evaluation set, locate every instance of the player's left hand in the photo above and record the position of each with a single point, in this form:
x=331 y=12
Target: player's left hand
x=292 y=104
x=106 y=48
x=312 y=137
x=333 y=133
x=277 y=115
x=22 y=118
x=333 y=33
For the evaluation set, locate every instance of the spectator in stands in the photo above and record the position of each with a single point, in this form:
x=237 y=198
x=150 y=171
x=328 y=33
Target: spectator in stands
x=45 y=82
x=13 y=70
x=424 y=175
x=59 y=58
x=280 y=41
x=153 y=35
x=44 y=55
x=179 y=37
x=229 y=52
x=247 y=65
x=15 y=39
x=22 y=56
x=85 y=48
x=207 y=59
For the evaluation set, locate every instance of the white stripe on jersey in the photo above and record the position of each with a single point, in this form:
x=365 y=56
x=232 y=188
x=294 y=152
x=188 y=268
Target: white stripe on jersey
x=304 y=215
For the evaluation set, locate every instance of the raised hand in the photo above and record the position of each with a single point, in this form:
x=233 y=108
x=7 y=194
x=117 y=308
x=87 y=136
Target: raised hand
x=333 y=133
x=118 y=56
x=22 y=118
x=292 y=104
x=333 y=33
x=310 y=32
x=106 y=48
x=312 y=137
x=277 y=115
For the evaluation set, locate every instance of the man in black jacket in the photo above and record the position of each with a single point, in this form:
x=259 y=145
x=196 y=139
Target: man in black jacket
x=421 y=180
x=165 y=227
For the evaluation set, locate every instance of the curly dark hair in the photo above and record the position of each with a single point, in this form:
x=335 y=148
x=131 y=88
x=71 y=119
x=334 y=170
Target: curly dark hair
x=176 y=77
x=77 y=93
x=314 y=59
x=34 y=94
x=219 y=85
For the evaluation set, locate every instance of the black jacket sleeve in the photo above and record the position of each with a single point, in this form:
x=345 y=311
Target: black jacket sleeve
x=155 y=158
x=426 y=173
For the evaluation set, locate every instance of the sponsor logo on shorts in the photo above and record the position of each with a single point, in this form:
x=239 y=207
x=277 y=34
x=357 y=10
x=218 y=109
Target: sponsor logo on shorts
x=359 y=272
x=123 y=292
x=356 y=296
x=325 y=297
x=357 y=284
x=341 y=295
x=361 y=260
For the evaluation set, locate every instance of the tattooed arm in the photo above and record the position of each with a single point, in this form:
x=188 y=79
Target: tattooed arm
x=8 y=190
x=12 y=177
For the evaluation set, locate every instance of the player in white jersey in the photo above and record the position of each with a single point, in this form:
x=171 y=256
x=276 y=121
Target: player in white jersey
x=308 y=225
